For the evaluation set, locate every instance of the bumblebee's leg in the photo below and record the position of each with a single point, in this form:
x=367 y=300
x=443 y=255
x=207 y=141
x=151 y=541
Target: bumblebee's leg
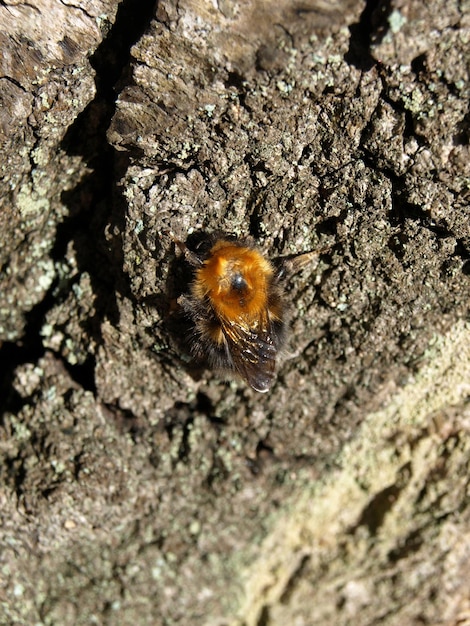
x=190 y=256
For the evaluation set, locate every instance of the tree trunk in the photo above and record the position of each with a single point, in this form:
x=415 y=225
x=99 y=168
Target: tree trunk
x=139 y=486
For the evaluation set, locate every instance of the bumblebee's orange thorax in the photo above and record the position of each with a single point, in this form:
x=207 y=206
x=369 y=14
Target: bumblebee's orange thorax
x=235 y=279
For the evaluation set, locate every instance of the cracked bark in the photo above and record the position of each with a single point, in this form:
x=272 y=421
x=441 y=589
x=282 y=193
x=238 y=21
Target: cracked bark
x=137 y=489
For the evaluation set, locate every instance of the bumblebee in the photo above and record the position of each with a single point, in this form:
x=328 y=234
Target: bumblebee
x=236 y=306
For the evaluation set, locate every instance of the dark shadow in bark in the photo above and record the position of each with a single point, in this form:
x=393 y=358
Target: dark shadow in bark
x=95 y=204
x=371 y=29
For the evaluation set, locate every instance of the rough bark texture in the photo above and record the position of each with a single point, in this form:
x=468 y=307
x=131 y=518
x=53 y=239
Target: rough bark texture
x=136 y=488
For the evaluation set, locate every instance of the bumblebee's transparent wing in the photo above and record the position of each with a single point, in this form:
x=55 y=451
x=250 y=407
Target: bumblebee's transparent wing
x=252 y=351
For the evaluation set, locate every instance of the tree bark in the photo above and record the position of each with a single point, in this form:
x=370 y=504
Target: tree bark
x=138 y=487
